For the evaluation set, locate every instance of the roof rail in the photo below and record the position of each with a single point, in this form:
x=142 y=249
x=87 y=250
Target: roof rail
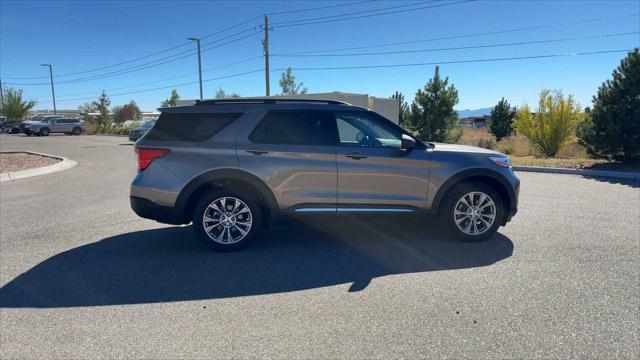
x=266 y=101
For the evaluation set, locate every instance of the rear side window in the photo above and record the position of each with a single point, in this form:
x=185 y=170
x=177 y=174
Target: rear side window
x=296 y=128
x=189 y=126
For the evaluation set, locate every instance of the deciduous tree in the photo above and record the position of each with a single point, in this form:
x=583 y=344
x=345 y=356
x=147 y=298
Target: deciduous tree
x=289 y=85
x=554 y=123
x=13 y=106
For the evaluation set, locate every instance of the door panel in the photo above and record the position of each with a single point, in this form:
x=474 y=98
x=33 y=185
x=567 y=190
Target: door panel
x=373 y=169
x=296 y=173
x=383 y=177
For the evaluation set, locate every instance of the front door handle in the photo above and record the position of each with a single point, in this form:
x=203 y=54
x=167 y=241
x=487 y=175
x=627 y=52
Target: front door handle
x=356 y=156
x=257 y=151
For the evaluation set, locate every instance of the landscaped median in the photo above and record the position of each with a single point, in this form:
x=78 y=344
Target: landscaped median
x=23 y=164
x=584 y=167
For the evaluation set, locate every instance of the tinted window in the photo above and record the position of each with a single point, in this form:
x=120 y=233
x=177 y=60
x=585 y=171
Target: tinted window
x=296 y=128
x=189 y=126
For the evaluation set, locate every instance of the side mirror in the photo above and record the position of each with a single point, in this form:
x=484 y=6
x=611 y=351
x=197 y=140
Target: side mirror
x=407 y=143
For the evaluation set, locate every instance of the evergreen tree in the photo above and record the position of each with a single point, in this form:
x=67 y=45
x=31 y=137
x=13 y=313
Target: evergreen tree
x=102 y=106
x=172 y=100
x=221 y=94
x=614 y=128
x=403 y=107
x=502 y=116
x=432 y=115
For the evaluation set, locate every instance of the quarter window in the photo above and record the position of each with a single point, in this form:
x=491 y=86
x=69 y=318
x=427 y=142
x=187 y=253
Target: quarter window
x=189 y=126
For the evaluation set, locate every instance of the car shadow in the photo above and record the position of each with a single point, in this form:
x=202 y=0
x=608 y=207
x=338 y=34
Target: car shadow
x=169 y=264
x=634 y=183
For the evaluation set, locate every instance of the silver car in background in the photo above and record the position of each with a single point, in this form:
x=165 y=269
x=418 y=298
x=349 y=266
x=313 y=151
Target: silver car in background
x=44 y=127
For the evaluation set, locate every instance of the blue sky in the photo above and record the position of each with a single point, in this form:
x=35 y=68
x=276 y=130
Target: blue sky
x=77 y=36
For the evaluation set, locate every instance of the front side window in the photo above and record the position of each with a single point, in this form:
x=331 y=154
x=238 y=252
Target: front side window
x=366 y=130
x=295 y=128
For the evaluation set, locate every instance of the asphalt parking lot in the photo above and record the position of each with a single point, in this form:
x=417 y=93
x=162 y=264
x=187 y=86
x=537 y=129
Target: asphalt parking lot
x=82 y=276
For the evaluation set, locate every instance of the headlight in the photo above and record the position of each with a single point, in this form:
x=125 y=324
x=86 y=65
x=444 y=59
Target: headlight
x=501 y=161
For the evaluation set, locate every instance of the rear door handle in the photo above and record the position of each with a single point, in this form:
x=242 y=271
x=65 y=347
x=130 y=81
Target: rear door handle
x=257 y=151
x=356 y=156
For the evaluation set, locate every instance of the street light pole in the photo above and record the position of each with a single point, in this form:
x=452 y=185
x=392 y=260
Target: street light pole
x=197 y=40
x=53 y=92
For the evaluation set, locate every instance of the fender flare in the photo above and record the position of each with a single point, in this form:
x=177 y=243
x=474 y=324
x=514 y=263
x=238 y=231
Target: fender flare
x=234 y=174
x=468 y=173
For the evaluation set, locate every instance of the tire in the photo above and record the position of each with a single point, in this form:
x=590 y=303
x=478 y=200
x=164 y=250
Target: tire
x=473 y=220
x=28 y=134
x=44 y=132
x=228 y=231
x=76 y=131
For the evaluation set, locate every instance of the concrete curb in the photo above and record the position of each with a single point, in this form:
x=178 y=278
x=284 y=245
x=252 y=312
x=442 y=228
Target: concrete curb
x=15 y=175
x=583 y=172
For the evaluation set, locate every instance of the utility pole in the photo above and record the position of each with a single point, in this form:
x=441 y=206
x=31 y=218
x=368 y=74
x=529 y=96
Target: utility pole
x=1 y=93
x=53 y=93
x=197 y=40
x=265 y=45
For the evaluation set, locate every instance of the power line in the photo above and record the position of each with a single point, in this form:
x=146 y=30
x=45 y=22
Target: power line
x=169 y=86
x=461 y=36
x=319 y=8
x=370 y=15
x=150 y=64
x=461 y=47
x=141 y=57
x=171 y=78
x=451 y=62
x=372 y=67
x=357 y=12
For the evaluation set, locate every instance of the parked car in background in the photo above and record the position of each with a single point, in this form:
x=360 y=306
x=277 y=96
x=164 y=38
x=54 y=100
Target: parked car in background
x=230 y=166
x=3 y=120
x=11 y=127
x=68 y=126
x=137 y=133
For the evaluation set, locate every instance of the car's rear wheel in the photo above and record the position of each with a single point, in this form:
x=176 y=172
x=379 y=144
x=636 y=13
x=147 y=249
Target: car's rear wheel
x=76 y=131
x=226 y=220
x=472 y=212
x=44 y=132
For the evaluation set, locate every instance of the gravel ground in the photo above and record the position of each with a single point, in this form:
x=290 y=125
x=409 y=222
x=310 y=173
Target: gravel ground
x=23 y=161
x=82 y=277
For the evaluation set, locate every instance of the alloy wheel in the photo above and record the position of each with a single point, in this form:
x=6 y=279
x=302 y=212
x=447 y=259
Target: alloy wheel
x=474 y=213
x=227 y=220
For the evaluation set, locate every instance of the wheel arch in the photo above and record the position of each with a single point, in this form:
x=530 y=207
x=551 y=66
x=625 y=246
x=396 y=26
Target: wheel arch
x=492 y=178
x=237 y=179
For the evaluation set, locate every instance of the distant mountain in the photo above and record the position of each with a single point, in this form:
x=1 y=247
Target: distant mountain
x=477 y=112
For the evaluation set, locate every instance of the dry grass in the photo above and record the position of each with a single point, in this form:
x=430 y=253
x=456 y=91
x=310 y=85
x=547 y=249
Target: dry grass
x=10 y=162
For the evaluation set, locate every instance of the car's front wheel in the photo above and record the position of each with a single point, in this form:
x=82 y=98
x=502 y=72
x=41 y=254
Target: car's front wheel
x=472 y=212
x=44 y=132
x=226 y=220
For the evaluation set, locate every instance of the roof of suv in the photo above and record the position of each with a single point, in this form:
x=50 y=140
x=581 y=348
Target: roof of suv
x=254 y=104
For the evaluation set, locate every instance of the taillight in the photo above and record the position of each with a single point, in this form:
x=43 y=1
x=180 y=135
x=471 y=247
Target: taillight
x=147 y=155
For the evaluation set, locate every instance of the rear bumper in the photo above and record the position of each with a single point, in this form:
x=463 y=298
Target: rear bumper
x=150 y=210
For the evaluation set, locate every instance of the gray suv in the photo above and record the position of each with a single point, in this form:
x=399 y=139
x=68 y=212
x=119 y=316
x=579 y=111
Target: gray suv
x=231 y=166
x=47 y=126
